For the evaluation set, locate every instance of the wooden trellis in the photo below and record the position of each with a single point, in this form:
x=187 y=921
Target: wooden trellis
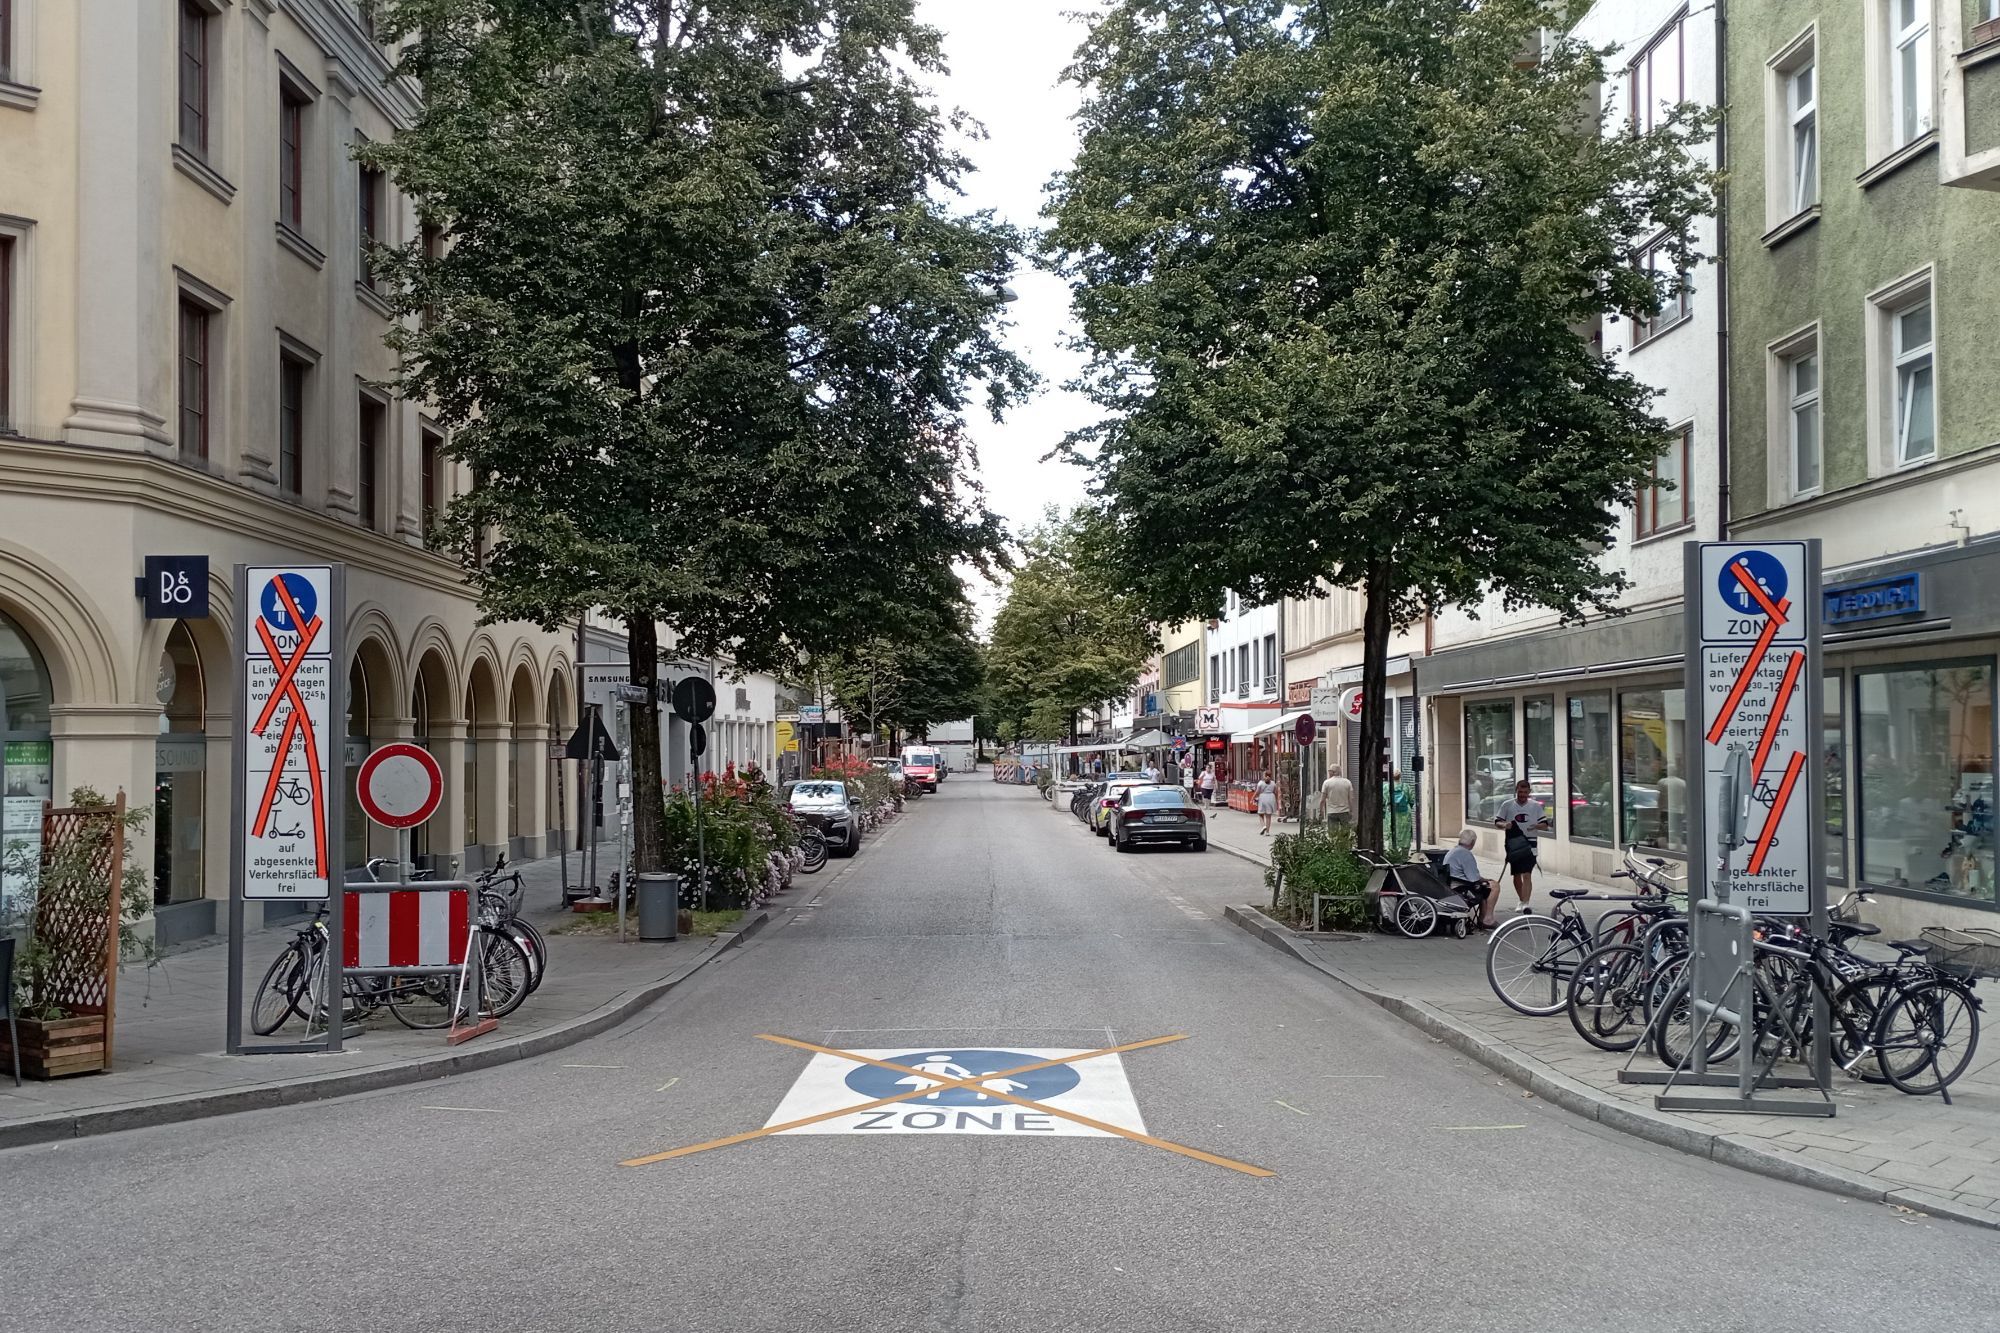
x=76 y=910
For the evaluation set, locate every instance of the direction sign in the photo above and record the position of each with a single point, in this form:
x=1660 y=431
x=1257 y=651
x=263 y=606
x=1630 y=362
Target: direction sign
x=288 y=747
x=400 y=785
x=1756 y=667
x=1305 y=729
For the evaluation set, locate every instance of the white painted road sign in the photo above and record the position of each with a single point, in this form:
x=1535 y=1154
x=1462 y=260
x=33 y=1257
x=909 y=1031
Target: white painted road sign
x=400 y=785
x=1096 y=1088
x=1755 y=617
x=290 y=747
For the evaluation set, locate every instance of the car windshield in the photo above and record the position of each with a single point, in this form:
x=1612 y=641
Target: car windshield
x=1158 y=796
x=819 y=791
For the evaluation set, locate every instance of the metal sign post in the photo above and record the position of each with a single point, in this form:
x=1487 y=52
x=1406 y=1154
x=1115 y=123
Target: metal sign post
x=1757 y=798
x=287 y=796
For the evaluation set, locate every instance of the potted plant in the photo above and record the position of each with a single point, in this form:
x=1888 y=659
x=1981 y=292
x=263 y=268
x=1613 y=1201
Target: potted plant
x=73 y=904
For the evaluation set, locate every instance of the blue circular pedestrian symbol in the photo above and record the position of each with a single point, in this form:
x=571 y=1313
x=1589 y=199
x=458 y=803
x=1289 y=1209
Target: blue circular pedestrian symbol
x=1765 y=570
x=875 y=1082
x=303 y=597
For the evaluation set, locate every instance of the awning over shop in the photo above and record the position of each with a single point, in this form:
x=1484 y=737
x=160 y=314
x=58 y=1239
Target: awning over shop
x=1088 y=749
x=1286 y=721
x=1147 y=740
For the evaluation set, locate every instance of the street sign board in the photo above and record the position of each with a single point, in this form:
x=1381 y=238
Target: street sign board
x=1207 y=721
x=788 y=738
x=697 y=740
x=288 y=749
x=601 y=681
x=1325 y=705
x=590 y=740
x=1305 y=729
x=400 y=785
x=812 y=715
x=627 y=693
x=1757 y=663
x=694 y=699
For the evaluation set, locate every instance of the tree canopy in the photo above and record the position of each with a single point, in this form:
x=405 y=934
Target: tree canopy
x=1066 y=638
x=1337 y=266
x=695 y=305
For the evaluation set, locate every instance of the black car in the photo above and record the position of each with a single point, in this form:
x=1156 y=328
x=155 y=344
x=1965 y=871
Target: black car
x=1157 y=814
x=833 y=806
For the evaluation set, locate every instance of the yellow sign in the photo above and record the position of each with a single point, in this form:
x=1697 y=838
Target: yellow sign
x=788 y=740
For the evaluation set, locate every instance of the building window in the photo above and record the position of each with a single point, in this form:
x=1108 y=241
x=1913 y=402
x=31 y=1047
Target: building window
x=1652 y=768
x=1590 y=753
x=6 y=40
x=194 y=78
x=1909 y=32
x=194 y=364
x=368 y=464
x=7 y=422
x=1214 y=678
x=1833 y=742
x=1662 y=504
x=1798 y=158
x=1916 y=389
x=369 y=185
x=291 y=157
x=291 y=424
x=1183 y=664
x=1243 y=671
x=1489 y=758
x=1801 y=372
x=1926 y=797
x=1270 y=662
x=1677 y=295
x=1538 y=739
x=432 y=464
x=1656 y=78
x=433 y=252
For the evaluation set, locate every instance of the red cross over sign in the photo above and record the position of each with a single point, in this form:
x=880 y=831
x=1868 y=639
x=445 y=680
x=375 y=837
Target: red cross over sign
x=288 y=752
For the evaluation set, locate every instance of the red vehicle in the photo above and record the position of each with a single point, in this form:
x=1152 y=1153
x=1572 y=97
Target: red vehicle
x=921 y=766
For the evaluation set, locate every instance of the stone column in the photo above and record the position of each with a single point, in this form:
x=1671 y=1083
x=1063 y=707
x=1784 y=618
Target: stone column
x=495 y=763
x=531 y=756
x=254 y=353
x=340 y=392
x=447 y=826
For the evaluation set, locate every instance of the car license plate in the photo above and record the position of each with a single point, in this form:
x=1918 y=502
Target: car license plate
x=1166 y=819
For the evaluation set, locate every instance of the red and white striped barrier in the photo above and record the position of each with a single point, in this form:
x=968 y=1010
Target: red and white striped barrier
x=407 y=928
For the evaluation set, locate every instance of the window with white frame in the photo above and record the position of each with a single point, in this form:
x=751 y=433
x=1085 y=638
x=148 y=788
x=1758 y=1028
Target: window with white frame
x=1909 y=68
x=1915 y=378
x=1802 y=380
x=1802 y=114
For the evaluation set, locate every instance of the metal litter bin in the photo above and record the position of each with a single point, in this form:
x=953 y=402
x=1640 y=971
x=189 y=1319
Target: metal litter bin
x=659 y=906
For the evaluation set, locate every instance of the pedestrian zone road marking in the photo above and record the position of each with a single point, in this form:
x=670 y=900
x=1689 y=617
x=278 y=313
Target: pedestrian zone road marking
x=933 y=1085
x=1097 y=1088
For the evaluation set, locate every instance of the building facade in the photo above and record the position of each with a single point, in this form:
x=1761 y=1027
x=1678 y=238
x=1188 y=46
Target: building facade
x=1244 y=666
x=190 y=350
x=1594 y=716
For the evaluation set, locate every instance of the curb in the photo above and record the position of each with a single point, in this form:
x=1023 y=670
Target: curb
x=1583 y=1100
x=322 y=1087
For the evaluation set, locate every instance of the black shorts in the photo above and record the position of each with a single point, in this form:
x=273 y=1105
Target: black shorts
x=1520 y=856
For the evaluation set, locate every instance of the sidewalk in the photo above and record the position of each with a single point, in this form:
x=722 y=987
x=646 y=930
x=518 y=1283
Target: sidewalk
x=1914 y=1152
x=167 y=1056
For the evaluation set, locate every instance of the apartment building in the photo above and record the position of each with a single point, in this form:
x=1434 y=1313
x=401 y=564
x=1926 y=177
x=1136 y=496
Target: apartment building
x=190 y=355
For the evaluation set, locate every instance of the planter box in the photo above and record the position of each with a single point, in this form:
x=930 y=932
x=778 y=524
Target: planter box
x=58 y=1047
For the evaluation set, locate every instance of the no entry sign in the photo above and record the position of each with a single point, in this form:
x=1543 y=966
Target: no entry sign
x=400 y=785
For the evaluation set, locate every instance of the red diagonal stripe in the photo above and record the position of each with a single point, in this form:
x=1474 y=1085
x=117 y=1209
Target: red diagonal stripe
x=1745 y=676
x=286 y=669
x=1775 y=611
x=1770 y=829
x=1773 y=723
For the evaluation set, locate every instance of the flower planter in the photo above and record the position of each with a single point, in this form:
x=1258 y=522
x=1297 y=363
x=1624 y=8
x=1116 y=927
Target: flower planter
x=57 y=1048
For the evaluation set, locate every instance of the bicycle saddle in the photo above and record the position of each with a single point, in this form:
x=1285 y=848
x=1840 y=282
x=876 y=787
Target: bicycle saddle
x=1854 y=930
x=1909 y=946
x=1568 y=893
x=1656 y=861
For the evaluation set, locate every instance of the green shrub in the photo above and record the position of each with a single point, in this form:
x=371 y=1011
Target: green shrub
x=1318 y=859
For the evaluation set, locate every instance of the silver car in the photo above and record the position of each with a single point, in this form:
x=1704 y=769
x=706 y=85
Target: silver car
x=832 y=806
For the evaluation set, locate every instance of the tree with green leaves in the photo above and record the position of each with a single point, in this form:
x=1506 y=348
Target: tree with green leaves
x=705 y=328
x=912 y=681
x=1336 y=265
x=1067 y=637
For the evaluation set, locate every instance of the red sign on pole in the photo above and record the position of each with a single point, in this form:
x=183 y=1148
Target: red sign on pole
x=400 y=785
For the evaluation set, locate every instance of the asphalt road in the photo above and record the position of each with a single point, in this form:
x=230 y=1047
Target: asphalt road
x=1411 y=1189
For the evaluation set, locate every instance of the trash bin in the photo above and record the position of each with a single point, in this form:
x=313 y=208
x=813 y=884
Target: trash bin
x=659 y=906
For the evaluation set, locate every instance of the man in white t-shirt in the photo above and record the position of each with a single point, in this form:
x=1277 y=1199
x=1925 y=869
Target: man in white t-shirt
x=1522 y=817
x=1336 y=799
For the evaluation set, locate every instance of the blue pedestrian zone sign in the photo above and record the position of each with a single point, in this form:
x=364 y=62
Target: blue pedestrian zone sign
x=976 y=1090
x=303 y=597
x=1765 y=570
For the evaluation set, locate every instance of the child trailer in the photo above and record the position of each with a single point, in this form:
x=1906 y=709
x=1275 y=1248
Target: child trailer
x=1415 y=900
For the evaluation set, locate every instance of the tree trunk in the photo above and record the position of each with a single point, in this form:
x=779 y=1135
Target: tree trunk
x=649 y=810
x=1370 y=817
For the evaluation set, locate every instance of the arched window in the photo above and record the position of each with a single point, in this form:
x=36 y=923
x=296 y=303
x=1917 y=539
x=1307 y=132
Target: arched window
x=355 y=835
x=27 y=756
x=180 y=771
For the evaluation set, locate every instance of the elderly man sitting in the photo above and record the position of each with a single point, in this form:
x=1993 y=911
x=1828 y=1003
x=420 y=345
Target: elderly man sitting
x=1461 y=867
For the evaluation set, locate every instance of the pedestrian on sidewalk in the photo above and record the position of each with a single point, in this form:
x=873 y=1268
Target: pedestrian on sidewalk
x=1208 y=785
x=1267 y=803
x=1336 y=799
x=1522 y=818
x=1461 y=867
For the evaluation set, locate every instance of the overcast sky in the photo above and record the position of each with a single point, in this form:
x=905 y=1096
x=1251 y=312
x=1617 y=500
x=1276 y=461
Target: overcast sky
x=1006 y=57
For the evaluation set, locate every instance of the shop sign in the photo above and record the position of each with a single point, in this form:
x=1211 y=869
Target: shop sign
x=1350 y=704
x=601 y=682
x=1215 y=744
x=175 y=587
x=1877 y=599
x=812 y=715
x=788 y=738
x=1325 y=703
x=1299 y=691
x=1207 y=721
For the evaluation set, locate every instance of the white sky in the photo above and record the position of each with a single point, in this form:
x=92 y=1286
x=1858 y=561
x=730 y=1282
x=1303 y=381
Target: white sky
x=1006 y=59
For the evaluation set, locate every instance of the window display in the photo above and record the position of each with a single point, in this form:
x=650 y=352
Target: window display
x=1489 y=758
x=1652 y=768
x=1590 y=766
x=1925 y=734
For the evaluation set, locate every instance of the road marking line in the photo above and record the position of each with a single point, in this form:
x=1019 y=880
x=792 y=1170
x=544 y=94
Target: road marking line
x=468 y=1110
x=593 y=1066
x=1288 y=1106
x=1471 y=1127
x=668 y=1084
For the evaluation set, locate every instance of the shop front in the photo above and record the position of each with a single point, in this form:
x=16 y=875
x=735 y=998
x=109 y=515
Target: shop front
x=27 y=755
x=1596 y=719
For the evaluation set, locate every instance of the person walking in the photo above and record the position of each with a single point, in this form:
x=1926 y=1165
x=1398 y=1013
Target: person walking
x=1522 y=817
x=1208 y=785
x=1336 y=799
x=1267 y=803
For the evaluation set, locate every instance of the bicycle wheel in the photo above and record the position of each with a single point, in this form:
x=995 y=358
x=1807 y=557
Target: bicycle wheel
x=1927 y=1037
x=1855 y=1010
x=1673 y=1029
x=537 y=946
x=506 y=972
x=1525 y=964
x=1416 y=915
x=423 y=1002
x=1605 y=996
x=276 y=998
x=1620 y=925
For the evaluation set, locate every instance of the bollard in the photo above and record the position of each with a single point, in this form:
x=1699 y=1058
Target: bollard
x=659 y=906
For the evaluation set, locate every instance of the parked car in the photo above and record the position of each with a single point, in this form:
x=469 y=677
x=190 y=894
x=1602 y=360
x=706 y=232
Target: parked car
x=833 y=807
x=922 y=764
x=1157 y=814
x=1114 y=787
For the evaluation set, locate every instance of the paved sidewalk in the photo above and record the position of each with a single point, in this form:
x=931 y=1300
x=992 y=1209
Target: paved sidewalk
x=1912 y=1151
x=168 y=1062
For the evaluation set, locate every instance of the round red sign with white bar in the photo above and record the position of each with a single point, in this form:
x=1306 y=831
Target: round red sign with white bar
x=400 y=785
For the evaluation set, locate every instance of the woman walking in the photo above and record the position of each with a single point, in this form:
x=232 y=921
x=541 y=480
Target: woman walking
x=1267 y=803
